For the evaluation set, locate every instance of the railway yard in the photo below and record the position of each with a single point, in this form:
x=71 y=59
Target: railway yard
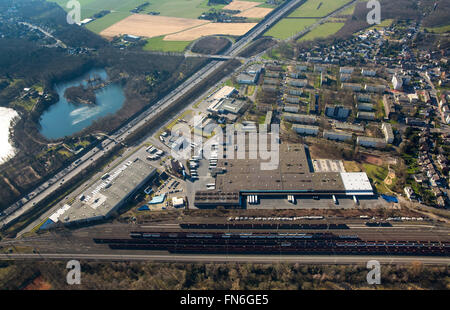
x=299 y=236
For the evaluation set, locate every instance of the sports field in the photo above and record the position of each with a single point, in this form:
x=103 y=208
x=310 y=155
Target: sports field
x=318 y=8
x=286 y=28
x=322 y=31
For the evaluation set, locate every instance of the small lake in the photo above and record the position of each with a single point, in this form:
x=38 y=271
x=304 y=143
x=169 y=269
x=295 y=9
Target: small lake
x=6 y=149
x=65 y=119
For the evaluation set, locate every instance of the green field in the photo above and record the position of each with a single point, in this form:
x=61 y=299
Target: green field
x=286 y=28
x=311 y=8
x=377 y=174
x=442 y=29
x=322 y=31
x=384 y=23
x=348 y=11
x=158 y=44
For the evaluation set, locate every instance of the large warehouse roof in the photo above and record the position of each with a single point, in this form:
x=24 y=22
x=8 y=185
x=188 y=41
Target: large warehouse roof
x=356 y=183
x=293 y=174
x=105 y=195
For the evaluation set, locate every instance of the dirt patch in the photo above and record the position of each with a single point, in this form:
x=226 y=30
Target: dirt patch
x=38 y=284
x=234 y=29
x=211 y=45
x=255 y=13
x=351 y=166
x=390 y=177
x=150 y=26
x=372 y=159
x=241 y=5
x=27 y=176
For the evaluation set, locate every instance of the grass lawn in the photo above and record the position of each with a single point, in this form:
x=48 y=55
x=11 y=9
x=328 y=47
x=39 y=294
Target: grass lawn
x=322 y=31
x=250 y=90
x=318 y=8
x=287 y=28
x=442 y=29
x=384 y=23
x=27 y=104
x=348 y=11
x=158 y=44
x=377 y=174
x=351 y=166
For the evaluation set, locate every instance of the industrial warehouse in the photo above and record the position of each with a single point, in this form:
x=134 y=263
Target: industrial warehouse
x=238 y=180
x=105 y=196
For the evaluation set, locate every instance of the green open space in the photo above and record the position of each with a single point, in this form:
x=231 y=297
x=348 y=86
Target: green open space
x=322 y=31
x=318 y=8
x=442 y=29
x=377 y=174
x=287 y=28
x=158 y=44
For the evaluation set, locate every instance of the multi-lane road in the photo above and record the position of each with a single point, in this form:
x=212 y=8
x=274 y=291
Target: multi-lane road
x=44 y=190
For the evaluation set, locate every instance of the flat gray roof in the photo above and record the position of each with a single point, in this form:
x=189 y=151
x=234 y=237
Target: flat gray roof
x=105 y=195
x=293 y=173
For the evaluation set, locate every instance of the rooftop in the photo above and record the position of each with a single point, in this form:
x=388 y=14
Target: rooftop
x=105 y=195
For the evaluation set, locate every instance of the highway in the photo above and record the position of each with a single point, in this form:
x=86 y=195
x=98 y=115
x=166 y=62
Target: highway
x=44 y=190
x=269 y=259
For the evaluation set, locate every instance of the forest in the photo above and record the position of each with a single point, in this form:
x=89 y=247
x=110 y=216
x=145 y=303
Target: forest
x=219 y=276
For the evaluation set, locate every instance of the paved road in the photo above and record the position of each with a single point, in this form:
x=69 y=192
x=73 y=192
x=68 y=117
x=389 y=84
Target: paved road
x=72 y=170
x=335 y=260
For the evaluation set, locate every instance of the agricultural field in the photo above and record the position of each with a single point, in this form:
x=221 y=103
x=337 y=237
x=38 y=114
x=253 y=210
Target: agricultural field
x=151 y=26
x=120 y=9
x=241 y=5
x=318 y=8
x=233 y=29
x=286 y=28
x=172 y=24
x=255 y=12
x=322 y=31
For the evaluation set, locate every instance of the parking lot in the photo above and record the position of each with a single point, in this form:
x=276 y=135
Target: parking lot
x=328 y=165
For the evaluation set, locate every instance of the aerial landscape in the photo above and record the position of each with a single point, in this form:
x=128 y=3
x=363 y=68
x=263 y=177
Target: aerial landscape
x=224 y=145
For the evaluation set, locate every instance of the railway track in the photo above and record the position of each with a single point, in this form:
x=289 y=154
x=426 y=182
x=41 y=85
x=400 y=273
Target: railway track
x=273 y=243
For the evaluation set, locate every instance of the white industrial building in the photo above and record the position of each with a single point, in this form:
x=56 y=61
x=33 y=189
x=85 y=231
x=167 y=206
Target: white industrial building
x=356 y=184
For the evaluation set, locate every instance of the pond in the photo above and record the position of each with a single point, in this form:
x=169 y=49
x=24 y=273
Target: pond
x=65 y=119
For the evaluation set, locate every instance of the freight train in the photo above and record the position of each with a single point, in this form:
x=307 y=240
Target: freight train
x=272 y=243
